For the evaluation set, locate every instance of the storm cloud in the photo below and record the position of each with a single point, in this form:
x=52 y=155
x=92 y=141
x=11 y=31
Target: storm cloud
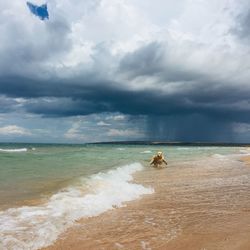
x=189 y=80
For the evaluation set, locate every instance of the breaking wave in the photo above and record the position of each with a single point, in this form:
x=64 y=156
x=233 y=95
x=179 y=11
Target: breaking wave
x=34 y=227
x=15 y=150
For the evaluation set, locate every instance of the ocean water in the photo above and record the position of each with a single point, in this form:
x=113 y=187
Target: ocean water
x=44 y=189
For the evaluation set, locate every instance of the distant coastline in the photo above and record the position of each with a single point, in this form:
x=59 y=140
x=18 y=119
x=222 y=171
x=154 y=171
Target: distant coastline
x=162 y=143
x=152 y=143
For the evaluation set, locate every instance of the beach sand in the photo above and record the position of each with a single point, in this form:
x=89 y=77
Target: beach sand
x=246 y=160
x=204 y=205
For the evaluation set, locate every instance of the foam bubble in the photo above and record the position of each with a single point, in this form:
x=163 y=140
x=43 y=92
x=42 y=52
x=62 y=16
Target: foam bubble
x=219 y=156
x=15 y=150
x=39 y=226
x=146 y=152
x=245 y=151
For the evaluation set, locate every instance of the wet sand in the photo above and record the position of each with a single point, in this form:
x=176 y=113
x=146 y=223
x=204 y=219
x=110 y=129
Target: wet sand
x=246 y=160
x=198 y=205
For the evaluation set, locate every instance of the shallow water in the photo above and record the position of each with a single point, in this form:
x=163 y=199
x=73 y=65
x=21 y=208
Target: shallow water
x=203 y=203
x=45 y=188
x=29 y=172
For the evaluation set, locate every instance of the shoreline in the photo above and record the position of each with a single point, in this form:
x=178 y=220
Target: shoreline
x=189 y=210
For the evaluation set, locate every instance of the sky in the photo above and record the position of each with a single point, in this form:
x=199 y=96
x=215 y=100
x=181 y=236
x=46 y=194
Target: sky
x=110 y=70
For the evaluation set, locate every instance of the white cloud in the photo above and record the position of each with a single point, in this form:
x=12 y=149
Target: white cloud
x=123 y=133
x=116 y=117
x=14 y=130
x=75 y=132
x=102 y=123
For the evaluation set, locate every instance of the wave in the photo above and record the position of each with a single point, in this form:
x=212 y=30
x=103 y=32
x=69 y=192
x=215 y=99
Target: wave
x=39 y=226
x=219 y=156
x=146 y=152
x=15 y=150
x=245 y=151
x=121 y=149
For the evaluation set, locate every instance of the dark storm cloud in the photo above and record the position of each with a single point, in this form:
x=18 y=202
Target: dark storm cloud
x=7 y=104
x=144 y=61
x=171 y=117
x=62 y=107
x=154 y=60
x=195 y=94
x=194 y=127
x=61 y=98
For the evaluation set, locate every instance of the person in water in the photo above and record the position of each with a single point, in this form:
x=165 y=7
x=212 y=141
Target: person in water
x=158 y=160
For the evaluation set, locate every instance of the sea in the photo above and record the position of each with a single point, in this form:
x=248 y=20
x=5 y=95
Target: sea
x=46 y=188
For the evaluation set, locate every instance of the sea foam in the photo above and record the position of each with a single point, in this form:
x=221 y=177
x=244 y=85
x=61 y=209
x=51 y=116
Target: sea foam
x=39 y=226
x=219 y=156
x=15 y=150
x=146 y=152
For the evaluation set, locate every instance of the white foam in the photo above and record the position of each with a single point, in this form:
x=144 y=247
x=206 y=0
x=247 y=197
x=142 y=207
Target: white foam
x=39 y=226
x=245 y=151
x=219 y=156
x=15 y=150
x=120 y=149
x=146 y=152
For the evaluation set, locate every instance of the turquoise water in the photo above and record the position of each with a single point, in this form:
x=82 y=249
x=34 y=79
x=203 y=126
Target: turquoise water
x=33 y=171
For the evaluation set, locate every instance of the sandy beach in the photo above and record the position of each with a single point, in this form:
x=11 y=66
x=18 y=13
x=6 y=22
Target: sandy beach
x=246 y=160
x=203 y=205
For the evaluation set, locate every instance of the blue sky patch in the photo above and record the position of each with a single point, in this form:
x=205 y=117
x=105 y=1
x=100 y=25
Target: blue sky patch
x=39 y=11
